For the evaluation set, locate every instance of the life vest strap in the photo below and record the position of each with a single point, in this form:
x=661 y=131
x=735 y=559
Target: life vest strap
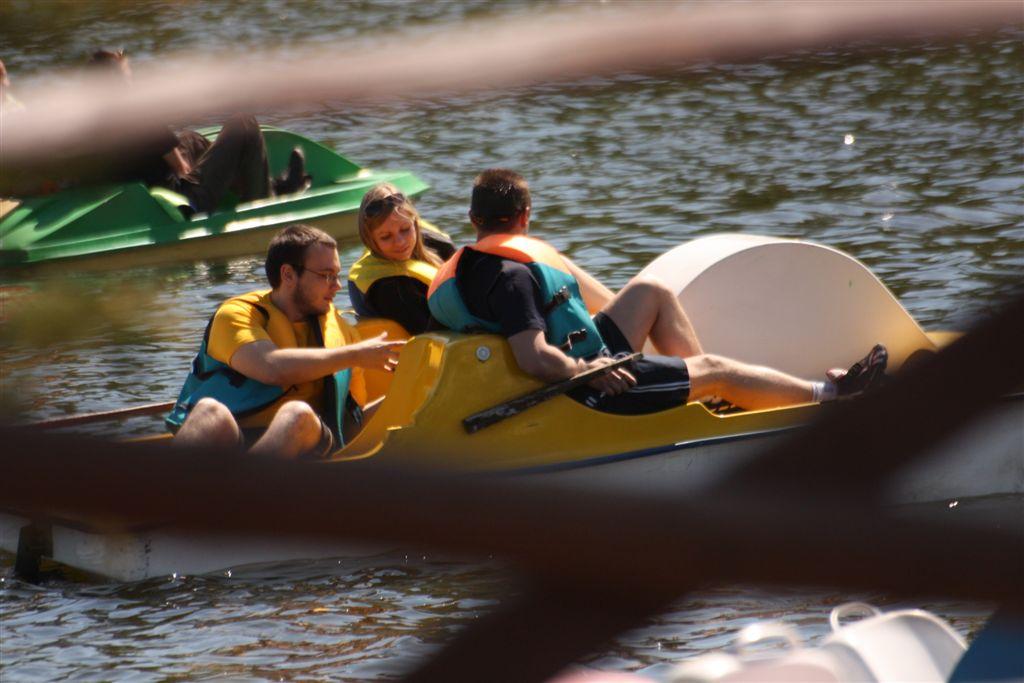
x=557 y=299
x=573 y=338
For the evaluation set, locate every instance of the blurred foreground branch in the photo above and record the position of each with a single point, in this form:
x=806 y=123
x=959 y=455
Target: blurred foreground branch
x=80 y=115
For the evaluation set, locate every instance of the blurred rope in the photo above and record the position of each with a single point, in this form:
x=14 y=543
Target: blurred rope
x=72 y=115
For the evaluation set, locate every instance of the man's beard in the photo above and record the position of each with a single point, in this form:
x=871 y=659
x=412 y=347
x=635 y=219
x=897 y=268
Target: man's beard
x=306 y=305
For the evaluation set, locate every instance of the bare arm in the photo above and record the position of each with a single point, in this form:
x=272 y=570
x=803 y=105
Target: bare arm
x=595 y=294
x=264 y=362
x=542 y=360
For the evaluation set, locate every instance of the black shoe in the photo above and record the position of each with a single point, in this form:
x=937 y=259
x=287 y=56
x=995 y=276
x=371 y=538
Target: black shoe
x=294 y=179
x=864 y=375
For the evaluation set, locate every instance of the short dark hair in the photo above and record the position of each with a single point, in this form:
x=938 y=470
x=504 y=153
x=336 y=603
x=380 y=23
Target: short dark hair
x=289 y=246
x=499 y=196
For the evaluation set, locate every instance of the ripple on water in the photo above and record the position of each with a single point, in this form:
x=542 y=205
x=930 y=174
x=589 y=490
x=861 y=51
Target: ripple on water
x=622 y=169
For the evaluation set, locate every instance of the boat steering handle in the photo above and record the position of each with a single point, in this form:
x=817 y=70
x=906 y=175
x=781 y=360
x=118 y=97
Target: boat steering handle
x=848 y=609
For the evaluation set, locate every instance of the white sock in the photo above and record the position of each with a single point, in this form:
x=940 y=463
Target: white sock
x=823 y=391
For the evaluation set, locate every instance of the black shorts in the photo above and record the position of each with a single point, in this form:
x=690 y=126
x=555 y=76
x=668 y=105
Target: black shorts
x=663 y=382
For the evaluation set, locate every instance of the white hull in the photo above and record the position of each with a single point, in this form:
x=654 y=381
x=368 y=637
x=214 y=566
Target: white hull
x=985 y=460
x=139 y=556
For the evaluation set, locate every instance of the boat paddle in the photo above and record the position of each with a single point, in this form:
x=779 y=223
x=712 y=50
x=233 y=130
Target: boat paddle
x=473 y=423
x=89 y=418
x=495 y=414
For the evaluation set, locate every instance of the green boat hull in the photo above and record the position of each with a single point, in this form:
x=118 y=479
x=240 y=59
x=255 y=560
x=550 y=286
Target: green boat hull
x=127 y=225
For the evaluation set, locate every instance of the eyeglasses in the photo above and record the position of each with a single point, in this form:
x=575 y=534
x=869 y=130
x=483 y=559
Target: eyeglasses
x=377 y=206
x=329 y=278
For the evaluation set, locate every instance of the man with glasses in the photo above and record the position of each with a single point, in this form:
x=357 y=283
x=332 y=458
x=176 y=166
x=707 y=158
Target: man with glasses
x=279 y=370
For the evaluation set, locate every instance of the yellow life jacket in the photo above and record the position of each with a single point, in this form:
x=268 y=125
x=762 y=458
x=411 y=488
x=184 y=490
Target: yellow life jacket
x=369 y=268
x=245 y=396
x=334 y=329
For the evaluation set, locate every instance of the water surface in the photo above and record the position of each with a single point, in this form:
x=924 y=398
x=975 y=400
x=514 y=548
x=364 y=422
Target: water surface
x=909 y=159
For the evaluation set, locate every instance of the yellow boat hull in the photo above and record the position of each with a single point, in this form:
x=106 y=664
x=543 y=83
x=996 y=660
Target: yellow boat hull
x=445 y=377
x=442 y=378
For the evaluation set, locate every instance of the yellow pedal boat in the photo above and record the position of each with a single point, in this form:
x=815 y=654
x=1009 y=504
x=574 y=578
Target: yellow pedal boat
x=794 y=305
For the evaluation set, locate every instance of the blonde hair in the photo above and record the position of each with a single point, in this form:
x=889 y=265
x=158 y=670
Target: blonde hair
x=404 y=208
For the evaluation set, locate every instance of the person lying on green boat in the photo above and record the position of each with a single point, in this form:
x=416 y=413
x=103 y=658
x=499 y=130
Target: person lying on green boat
x=522 y=288
x=279 y=371
x=189 y=164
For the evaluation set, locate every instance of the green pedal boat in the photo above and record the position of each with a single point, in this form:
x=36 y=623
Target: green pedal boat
x=126 y=225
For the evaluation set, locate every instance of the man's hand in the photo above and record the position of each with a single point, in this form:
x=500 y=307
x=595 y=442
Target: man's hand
x=377 y=354
x=614 y=382
x=542 y=360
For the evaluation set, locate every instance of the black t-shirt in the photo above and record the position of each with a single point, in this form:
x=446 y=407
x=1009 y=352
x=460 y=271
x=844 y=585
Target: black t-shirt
x=502 y=291
x=404 y=299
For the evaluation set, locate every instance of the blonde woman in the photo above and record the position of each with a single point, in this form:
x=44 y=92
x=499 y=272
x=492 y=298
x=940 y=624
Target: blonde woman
x=403 y=252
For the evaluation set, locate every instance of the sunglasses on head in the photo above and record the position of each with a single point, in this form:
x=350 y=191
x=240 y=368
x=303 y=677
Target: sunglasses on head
x=377 y=206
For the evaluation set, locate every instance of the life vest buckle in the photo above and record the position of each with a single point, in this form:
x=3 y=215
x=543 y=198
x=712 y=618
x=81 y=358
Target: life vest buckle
x=573 y=338
x=557 y=299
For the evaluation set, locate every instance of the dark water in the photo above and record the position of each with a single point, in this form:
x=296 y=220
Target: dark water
x=910 y=159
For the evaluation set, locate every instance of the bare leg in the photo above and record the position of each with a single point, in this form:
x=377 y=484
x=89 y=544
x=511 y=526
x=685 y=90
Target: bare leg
x=751 y=386
x=294 y=430
x=647 y=308
x=210 y=424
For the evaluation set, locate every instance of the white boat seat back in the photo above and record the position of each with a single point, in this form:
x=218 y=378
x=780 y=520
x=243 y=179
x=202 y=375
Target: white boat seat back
x=901 y=646
x=796 y=306
x=791 y=664
x=904 y=645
